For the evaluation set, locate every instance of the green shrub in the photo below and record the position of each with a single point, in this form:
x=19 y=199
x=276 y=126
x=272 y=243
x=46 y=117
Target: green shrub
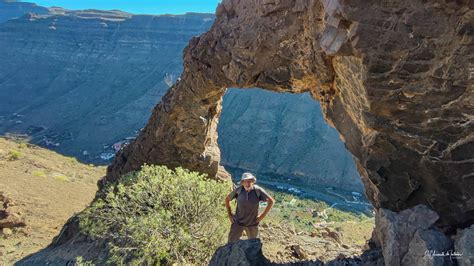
x=81 y=262
x=14 y=155
x=61 y=177
x=22 y=145
x=39 y=173
x=160 y=216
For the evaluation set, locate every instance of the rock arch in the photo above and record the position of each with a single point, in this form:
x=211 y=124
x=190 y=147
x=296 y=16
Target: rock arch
x=393 y=79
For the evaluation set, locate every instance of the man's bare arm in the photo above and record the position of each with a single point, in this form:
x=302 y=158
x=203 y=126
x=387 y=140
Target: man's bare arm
x=270 y=202
x=229 y=210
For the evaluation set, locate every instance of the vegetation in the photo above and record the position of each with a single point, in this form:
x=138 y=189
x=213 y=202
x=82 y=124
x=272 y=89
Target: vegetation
x=160 y=216
x=22 y=145
x=39 y=173
x=303 y=213
x=61 y=177
x=14 y=154
x=81 y=262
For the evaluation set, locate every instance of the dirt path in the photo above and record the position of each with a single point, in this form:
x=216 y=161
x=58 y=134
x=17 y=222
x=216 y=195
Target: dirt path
x=46 y=189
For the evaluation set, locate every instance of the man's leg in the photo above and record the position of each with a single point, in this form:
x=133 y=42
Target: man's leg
x=252 y=231
x=235 y=232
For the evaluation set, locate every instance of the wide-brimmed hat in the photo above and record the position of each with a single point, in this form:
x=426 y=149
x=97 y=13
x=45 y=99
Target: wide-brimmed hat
x=246 y=176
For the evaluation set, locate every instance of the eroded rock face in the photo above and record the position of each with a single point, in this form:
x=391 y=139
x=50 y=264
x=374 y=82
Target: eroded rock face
x=464 y=246
x=392 y=77
x=9 y=218
x=410 y=238
x=249 y=252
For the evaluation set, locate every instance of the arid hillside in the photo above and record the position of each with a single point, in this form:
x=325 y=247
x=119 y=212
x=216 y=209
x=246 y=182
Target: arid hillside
x=40 y=190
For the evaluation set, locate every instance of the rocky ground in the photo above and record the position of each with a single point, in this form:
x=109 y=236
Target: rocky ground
x=282 y=243
x=39 y=191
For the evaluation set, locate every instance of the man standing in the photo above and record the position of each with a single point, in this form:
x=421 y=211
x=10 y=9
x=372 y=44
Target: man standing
x=246 y=216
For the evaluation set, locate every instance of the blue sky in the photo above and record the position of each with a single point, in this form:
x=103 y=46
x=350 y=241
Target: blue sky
x=137 y=6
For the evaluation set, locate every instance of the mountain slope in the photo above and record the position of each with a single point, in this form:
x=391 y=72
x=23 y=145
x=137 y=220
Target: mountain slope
x=44 y=189
x=12 y=9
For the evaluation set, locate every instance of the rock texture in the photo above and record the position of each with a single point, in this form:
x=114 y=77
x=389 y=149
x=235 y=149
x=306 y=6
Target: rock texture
x=249 y=252
x=88 y=79
x=392 y=77
x=464 y=246
x=407 y=238
x=9 y=217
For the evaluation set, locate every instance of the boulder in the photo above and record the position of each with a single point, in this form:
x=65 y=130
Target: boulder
x=464 y=246
x=408 y=237
x=9 y=217
x=243 y=252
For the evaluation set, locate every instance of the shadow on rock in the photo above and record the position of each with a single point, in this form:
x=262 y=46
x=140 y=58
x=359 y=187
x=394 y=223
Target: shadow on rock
x=249 y=252
x=67 y=247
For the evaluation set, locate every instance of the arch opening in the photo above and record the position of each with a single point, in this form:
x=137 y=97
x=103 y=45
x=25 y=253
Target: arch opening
x=399 y=123
x=300 y=160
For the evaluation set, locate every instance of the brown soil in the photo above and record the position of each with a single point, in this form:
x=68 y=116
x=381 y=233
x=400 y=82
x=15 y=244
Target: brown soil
x=282 y=243
x=46 y=189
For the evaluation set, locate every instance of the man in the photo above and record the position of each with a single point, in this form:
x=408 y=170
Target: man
x=246 y=216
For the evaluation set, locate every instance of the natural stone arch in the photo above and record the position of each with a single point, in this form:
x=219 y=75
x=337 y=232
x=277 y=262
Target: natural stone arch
x=393 y=80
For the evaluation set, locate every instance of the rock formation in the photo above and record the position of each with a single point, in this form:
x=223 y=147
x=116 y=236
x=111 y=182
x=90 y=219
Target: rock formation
x=249 y=252
x=464 y=246
x=12 y=9
x=59 y=66
x=9 y=217
x=408 y=238
x=392 y=77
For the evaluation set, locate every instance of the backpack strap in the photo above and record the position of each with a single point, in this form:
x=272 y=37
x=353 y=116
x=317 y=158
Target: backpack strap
x=237 y=192
x=241 y=188
x=257 y=190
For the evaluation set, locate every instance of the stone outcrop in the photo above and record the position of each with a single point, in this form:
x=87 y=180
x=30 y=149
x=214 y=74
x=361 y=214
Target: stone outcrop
x=9 y=216
x=464 y=246
x=249 y=252
x=66 y=63
x=392 y=77
x=410 y=238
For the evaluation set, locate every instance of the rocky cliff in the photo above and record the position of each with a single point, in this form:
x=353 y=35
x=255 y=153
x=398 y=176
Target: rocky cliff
x=13 y=9
x=393 y=78
x=79 y=81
